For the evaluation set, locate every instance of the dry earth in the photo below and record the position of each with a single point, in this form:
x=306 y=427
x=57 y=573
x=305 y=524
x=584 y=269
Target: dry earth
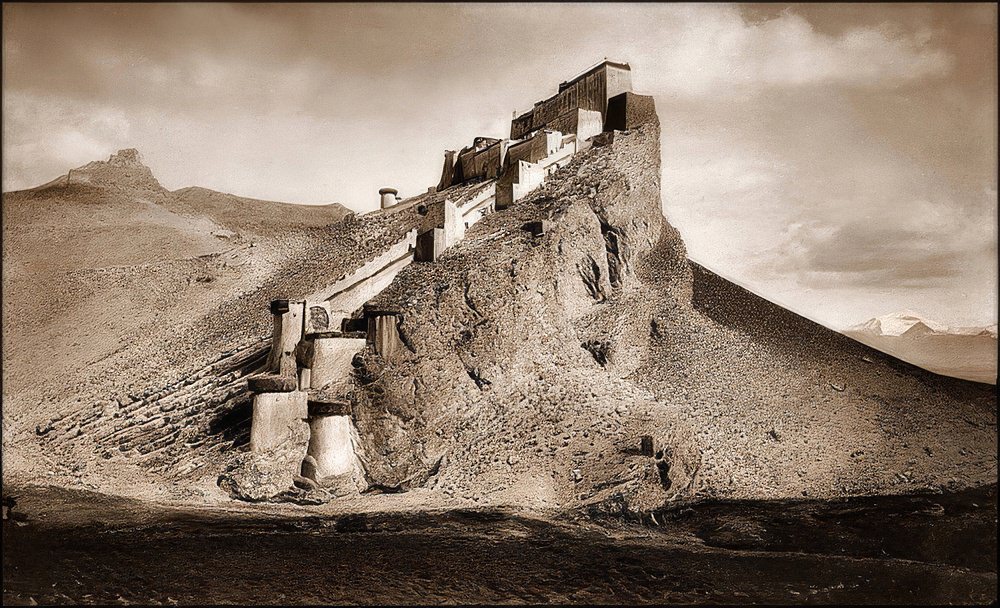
x=73 y=547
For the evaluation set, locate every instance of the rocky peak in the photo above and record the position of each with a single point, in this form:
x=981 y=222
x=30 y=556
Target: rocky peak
x=122 y=171
x=125 y=158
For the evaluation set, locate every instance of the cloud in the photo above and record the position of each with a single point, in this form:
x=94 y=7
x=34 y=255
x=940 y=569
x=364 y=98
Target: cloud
x=790 y=193
x=862 y=254
x=795 y=150
x=716 y=52
x=44 y=136
x=916 y=243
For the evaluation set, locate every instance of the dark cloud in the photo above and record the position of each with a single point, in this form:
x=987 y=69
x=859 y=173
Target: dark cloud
x=864 y=254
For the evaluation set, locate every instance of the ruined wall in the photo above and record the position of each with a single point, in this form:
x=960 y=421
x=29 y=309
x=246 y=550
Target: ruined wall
x=482 y=164
x=520 y=178
x=348 y=293
x=451 y=172
x=535 y=148
x=478 y=206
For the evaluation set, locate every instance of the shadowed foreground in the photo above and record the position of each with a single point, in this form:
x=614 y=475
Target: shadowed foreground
x=77 y=547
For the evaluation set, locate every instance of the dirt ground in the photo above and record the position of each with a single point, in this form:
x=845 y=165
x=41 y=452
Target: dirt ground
x=74 y=547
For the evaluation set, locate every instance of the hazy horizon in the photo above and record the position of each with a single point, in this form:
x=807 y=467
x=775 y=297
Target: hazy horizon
x=837 y=159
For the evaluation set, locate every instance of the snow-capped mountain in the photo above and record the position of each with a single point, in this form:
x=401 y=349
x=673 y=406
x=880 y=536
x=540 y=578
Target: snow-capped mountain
x=963 y=352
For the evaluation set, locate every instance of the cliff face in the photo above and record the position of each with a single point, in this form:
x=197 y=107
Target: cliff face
x=517 y=374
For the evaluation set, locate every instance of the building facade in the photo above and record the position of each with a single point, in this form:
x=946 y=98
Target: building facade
x=589 y=91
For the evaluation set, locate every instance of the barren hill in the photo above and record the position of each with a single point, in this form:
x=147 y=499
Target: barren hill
x=104 y=259
x=535 y=366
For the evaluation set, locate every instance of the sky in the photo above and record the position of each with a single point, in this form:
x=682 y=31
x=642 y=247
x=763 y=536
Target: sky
x=840 y=160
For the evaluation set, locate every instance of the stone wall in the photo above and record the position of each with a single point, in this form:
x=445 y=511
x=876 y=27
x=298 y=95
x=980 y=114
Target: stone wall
x=347 y=294
x=584 y=123
x=484 y=163
x=535 y=148
x=628 y=111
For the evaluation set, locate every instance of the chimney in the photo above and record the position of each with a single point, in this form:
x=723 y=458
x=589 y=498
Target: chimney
x=388 y=197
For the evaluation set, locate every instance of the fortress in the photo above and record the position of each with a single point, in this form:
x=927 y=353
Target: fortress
x=314 y=340
x=530 y=330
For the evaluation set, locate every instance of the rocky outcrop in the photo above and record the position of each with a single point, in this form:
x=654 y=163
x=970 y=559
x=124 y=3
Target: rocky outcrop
x=123 y=171
x=499 y=391
x=129 y=157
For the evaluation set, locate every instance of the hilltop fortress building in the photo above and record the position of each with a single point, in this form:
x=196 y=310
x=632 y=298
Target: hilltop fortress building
x=308 y=373
x=589 y=92
x=598 y=100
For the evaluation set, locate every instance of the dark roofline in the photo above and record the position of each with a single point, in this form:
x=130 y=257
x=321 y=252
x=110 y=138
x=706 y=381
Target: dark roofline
x=565 y=85
x=606 y=63
x=473 y=150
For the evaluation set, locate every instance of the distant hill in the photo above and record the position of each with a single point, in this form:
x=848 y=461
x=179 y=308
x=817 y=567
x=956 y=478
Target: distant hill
x=95 y=255
x=969 y=353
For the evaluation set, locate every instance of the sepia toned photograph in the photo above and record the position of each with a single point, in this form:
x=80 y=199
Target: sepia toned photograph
x=499 y=303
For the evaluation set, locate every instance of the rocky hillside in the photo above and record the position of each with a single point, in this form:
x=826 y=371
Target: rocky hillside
x=537 y=364
x=590 y=365
x=152 y=387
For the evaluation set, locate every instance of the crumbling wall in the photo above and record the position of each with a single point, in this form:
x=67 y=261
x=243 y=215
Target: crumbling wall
x=535 y=148
x=480 y=164
x=347 y=294
x=520 y=178
x=478 y=206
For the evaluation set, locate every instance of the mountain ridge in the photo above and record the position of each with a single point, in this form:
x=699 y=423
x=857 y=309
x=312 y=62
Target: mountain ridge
x=125 y=170
x=898 y=323
x=107 y=238
x=960 y=351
